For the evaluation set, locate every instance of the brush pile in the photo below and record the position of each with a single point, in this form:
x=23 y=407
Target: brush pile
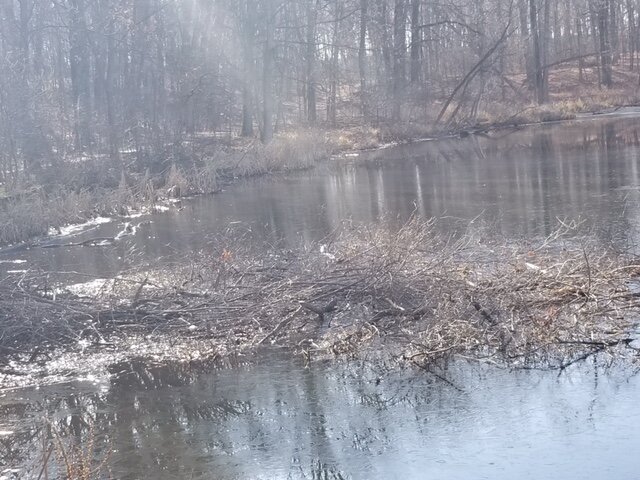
x=416 y=294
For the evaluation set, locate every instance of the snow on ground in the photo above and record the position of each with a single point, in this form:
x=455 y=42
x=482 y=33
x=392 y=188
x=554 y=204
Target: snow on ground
x=78 y=227
x=90 y=288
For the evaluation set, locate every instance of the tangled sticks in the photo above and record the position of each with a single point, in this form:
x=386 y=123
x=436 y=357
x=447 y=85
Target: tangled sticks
x=410 y=291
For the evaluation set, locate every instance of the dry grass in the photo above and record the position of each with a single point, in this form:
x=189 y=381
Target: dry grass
x=500 y=105
x=355 y=138
x=33 y=215
x=204 y=179
x=73 y=458
x=30 y=211
x=296 y=150
x=358 y=137
x=498 y=115
x=176 y=182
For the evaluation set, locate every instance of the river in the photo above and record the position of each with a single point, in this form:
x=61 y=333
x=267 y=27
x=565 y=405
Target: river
x=279 y=419
x=274 y=417
x=518 y=183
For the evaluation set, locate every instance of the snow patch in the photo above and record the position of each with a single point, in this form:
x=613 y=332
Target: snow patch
x=78 y=227
x=89 y=288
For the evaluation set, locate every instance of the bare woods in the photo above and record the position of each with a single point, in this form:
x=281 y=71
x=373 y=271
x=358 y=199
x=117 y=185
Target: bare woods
x=131 y=83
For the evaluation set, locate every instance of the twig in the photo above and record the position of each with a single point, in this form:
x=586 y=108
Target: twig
x=280 y=326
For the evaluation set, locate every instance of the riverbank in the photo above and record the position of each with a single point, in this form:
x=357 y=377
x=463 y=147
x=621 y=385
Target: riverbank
x=419 y=297
x=82 y=191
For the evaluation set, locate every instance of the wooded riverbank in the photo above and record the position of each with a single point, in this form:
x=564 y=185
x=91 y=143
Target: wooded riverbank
x=83 y=191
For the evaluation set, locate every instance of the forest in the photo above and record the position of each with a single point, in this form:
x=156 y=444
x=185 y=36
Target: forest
x=131 y=83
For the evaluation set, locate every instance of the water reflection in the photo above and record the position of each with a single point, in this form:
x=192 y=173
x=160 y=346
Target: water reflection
x=279 y=419
x=519 y=182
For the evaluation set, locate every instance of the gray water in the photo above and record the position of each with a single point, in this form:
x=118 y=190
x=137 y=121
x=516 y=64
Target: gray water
x=280 y=420
x=520 y=183
x=275 y=418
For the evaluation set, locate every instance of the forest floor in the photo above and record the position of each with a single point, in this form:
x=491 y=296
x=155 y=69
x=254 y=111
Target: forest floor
x=408 y=292
x=570 y=97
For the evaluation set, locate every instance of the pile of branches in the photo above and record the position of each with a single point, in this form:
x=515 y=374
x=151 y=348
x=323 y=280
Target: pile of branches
x=419 y=294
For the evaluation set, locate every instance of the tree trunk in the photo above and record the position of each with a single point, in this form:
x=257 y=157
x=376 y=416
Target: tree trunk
x=362 y=57
x=524 y=33
x=247 y=112
x=416 y=42
x=614 y=37
x=332 y=100
x=108 y=89
x=539 y=83
x=399 y=55
x=268 y=74
x=632 y=34
x=386 y=45
x=579 y=51
x=80 y=75
x=604 y=46
x=546 y=47
x=248 y=29
x=311 y=16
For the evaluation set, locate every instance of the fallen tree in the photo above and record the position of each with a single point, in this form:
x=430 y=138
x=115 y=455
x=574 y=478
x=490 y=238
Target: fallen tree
x=418 y=295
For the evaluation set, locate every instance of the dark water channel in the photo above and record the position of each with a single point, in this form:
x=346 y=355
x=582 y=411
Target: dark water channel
x=279 y=419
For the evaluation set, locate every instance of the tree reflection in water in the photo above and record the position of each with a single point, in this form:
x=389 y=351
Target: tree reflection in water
x=279 y=419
